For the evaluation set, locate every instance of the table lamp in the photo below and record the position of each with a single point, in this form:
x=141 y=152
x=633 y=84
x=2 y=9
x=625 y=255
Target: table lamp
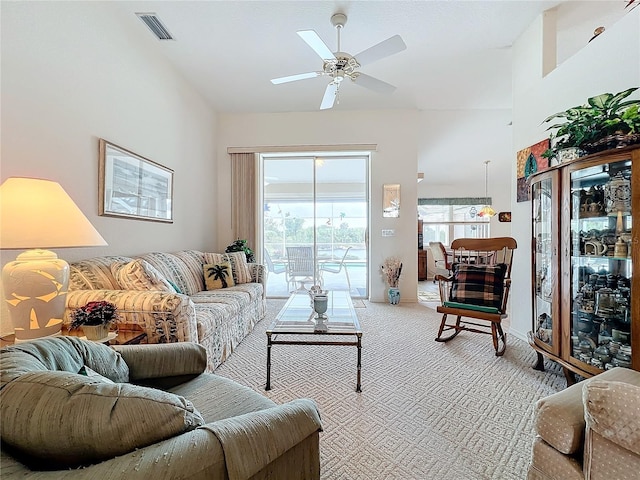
x=38 y=214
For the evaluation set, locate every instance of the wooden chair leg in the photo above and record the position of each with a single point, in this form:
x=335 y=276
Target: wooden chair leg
x=440 y=338
x=498 y=335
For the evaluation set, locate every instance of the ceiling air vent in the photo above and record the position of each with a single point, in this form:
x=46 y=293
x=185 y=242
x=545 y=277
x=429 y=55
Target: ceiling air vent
x=152 y=21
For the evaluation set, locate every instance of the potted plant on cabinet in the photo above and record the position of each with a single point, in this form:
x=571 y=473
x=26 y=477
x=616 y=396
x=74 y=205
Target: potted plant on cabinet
x=605 y=121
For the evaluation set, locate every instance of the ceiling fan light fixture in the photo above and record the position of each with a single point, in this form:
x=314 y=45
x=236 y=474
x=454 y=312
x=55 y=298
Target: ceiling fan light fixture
x=340 y=65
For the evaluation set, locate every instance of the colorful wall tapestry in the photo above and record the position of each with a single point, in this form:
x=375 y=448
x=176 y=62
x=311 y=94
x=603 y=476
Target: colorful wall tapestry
x=530 y=160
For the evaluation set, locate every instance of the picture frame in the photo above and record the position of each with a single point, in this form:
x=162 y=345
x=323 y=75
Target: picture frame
x=504 y=216
x=132 y=186
x=391 y=200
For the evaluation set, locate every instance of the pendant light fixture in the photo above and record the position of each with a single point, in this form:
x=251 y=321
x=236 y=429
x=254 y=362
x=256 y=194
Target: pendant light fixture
x=487 y=210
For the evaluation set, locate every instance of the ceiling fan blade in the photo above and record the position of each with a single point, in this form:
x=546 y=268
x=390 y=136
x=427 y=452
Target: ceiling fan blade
x=374 y=84
x=329 y=96
x=383 y=49
x=315 y=42
x=293 y=78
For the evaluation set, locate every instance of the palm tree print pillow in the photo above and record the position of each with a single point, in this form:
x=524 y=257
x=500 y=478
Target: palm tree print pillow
x=218 y=275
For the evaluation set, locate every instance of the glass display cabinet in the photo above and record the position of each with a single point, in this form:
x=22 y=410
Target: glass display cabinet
x=586 y=301
x=544 y=198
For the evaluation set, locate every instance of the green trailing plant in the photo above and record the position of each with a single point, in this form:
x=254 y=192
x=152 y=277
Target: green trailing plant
x=241 y=246
x=602 y=116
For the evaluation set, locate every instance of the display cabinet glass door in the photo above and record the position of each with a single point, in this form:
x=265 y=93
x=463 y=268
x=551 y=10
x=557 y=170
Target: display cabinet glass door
x=545 y=240
x=601 y=266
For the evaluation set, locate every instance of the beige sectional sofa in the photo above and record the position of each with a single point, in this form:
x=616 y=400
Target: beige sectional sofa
x=63 y=417
x=182 y=312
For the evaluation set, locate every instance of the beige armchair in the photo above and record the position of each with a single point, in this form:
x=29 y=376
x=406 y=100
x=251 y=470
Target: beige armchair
x=140 y=412
x=589 y=431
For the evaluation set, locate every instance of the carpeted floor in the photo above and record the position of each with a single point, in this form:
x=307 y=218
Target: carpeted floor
x=427 y=410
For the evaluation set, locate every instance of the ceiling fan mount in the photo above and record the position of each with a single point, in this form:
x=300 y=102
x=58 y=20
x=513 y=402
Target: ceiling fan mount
x=338 y=20
x=340 y=65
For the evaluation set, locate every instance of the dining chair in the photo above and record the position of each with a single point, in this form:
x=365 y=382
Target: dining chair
x=300 y=266
x=441 y=259
x=337 y=267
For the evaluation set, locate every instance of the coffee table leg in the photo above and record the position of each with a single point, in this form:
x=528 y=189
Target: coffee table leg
x=268 y=386
x=358 y=389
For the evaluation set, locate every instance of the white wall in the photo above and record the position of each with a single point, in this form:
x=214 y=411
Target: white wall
x=73 y=72
x=611 y=63
x=394 y=132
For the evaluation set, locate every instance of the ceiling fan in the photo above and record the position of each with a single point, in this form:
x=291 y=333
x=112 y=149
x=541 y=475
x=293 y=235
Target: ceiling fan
x=341 y=65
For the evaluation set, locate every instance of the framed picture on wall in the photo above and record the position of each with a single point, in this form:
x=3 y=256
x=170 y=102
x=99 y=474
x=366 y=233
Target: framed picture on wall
x=132 y=186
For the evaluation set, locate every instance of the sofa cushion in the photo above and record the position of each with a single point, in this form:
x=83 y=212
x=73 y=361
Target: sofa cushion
x=93 y=375
x=193 y=260
x=217 y=397
x=140 y=275
x=612 y=410
x=559 y=418
x=94 y=273
x=218 y=275
x=239 y=267
x=62 y=353
x=478 y=284
x=176 y=271
x=71 y=420
x=238 y=261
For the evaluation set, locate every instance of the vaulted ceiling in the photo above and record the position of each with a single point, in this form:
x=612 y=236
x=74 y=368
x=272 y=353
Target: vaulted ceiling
x=458 y=53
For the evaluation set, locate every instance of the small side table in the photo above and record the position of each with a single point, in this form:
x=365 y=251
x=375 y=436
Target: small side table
x=128 y=334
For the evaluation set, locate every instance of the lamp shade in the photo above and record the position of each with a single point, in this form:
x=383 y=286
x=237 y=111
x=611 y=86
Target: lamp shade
x=38 y=214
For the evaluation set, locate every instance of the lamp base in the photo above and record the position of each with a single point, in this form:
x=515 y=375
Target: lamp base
x=35 y=290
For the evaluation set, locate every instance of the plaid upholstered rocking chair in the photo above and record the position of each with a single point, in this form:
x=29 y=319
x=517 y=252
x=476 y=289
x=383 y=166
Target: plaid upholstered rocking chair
x=477 y=291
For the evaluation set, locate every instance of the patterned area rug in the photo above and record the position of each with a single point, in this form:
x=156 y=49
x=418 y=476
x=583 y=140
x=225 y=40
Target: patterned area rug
x=427 y=410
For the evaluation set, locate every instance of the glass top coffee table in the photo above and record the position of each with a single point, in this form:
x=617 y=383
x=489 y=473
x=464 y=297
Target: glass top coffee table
x=296 y=325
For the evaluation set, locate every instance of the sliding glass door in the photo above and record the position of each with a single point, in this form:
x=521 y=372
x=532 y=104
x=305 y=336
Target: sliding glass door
x=315 y=222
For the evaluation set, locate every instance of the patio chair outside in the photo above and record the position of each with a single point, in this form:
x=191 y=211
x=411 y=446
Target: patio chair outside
x=300 y=266
x=273 y=267
x=337 y=267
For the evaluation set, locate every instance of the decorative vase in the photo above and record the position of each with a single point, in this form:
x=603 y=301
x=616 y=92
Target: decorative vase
x=95 y=332
x=569 y=153
x=394 y=295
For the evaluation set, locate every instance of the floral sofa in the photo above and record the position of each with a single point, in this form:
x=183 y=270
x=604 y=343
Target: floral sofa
x=169 y=300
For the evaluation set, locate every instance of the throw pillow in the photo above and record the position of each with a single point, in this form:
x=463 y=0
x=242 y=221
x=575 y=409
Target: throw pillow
x=93 y=375
x=218 y=275
x=140 y=275
x=239 y=267
x=83 y=422
x=478 y=284
x=238 y=261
